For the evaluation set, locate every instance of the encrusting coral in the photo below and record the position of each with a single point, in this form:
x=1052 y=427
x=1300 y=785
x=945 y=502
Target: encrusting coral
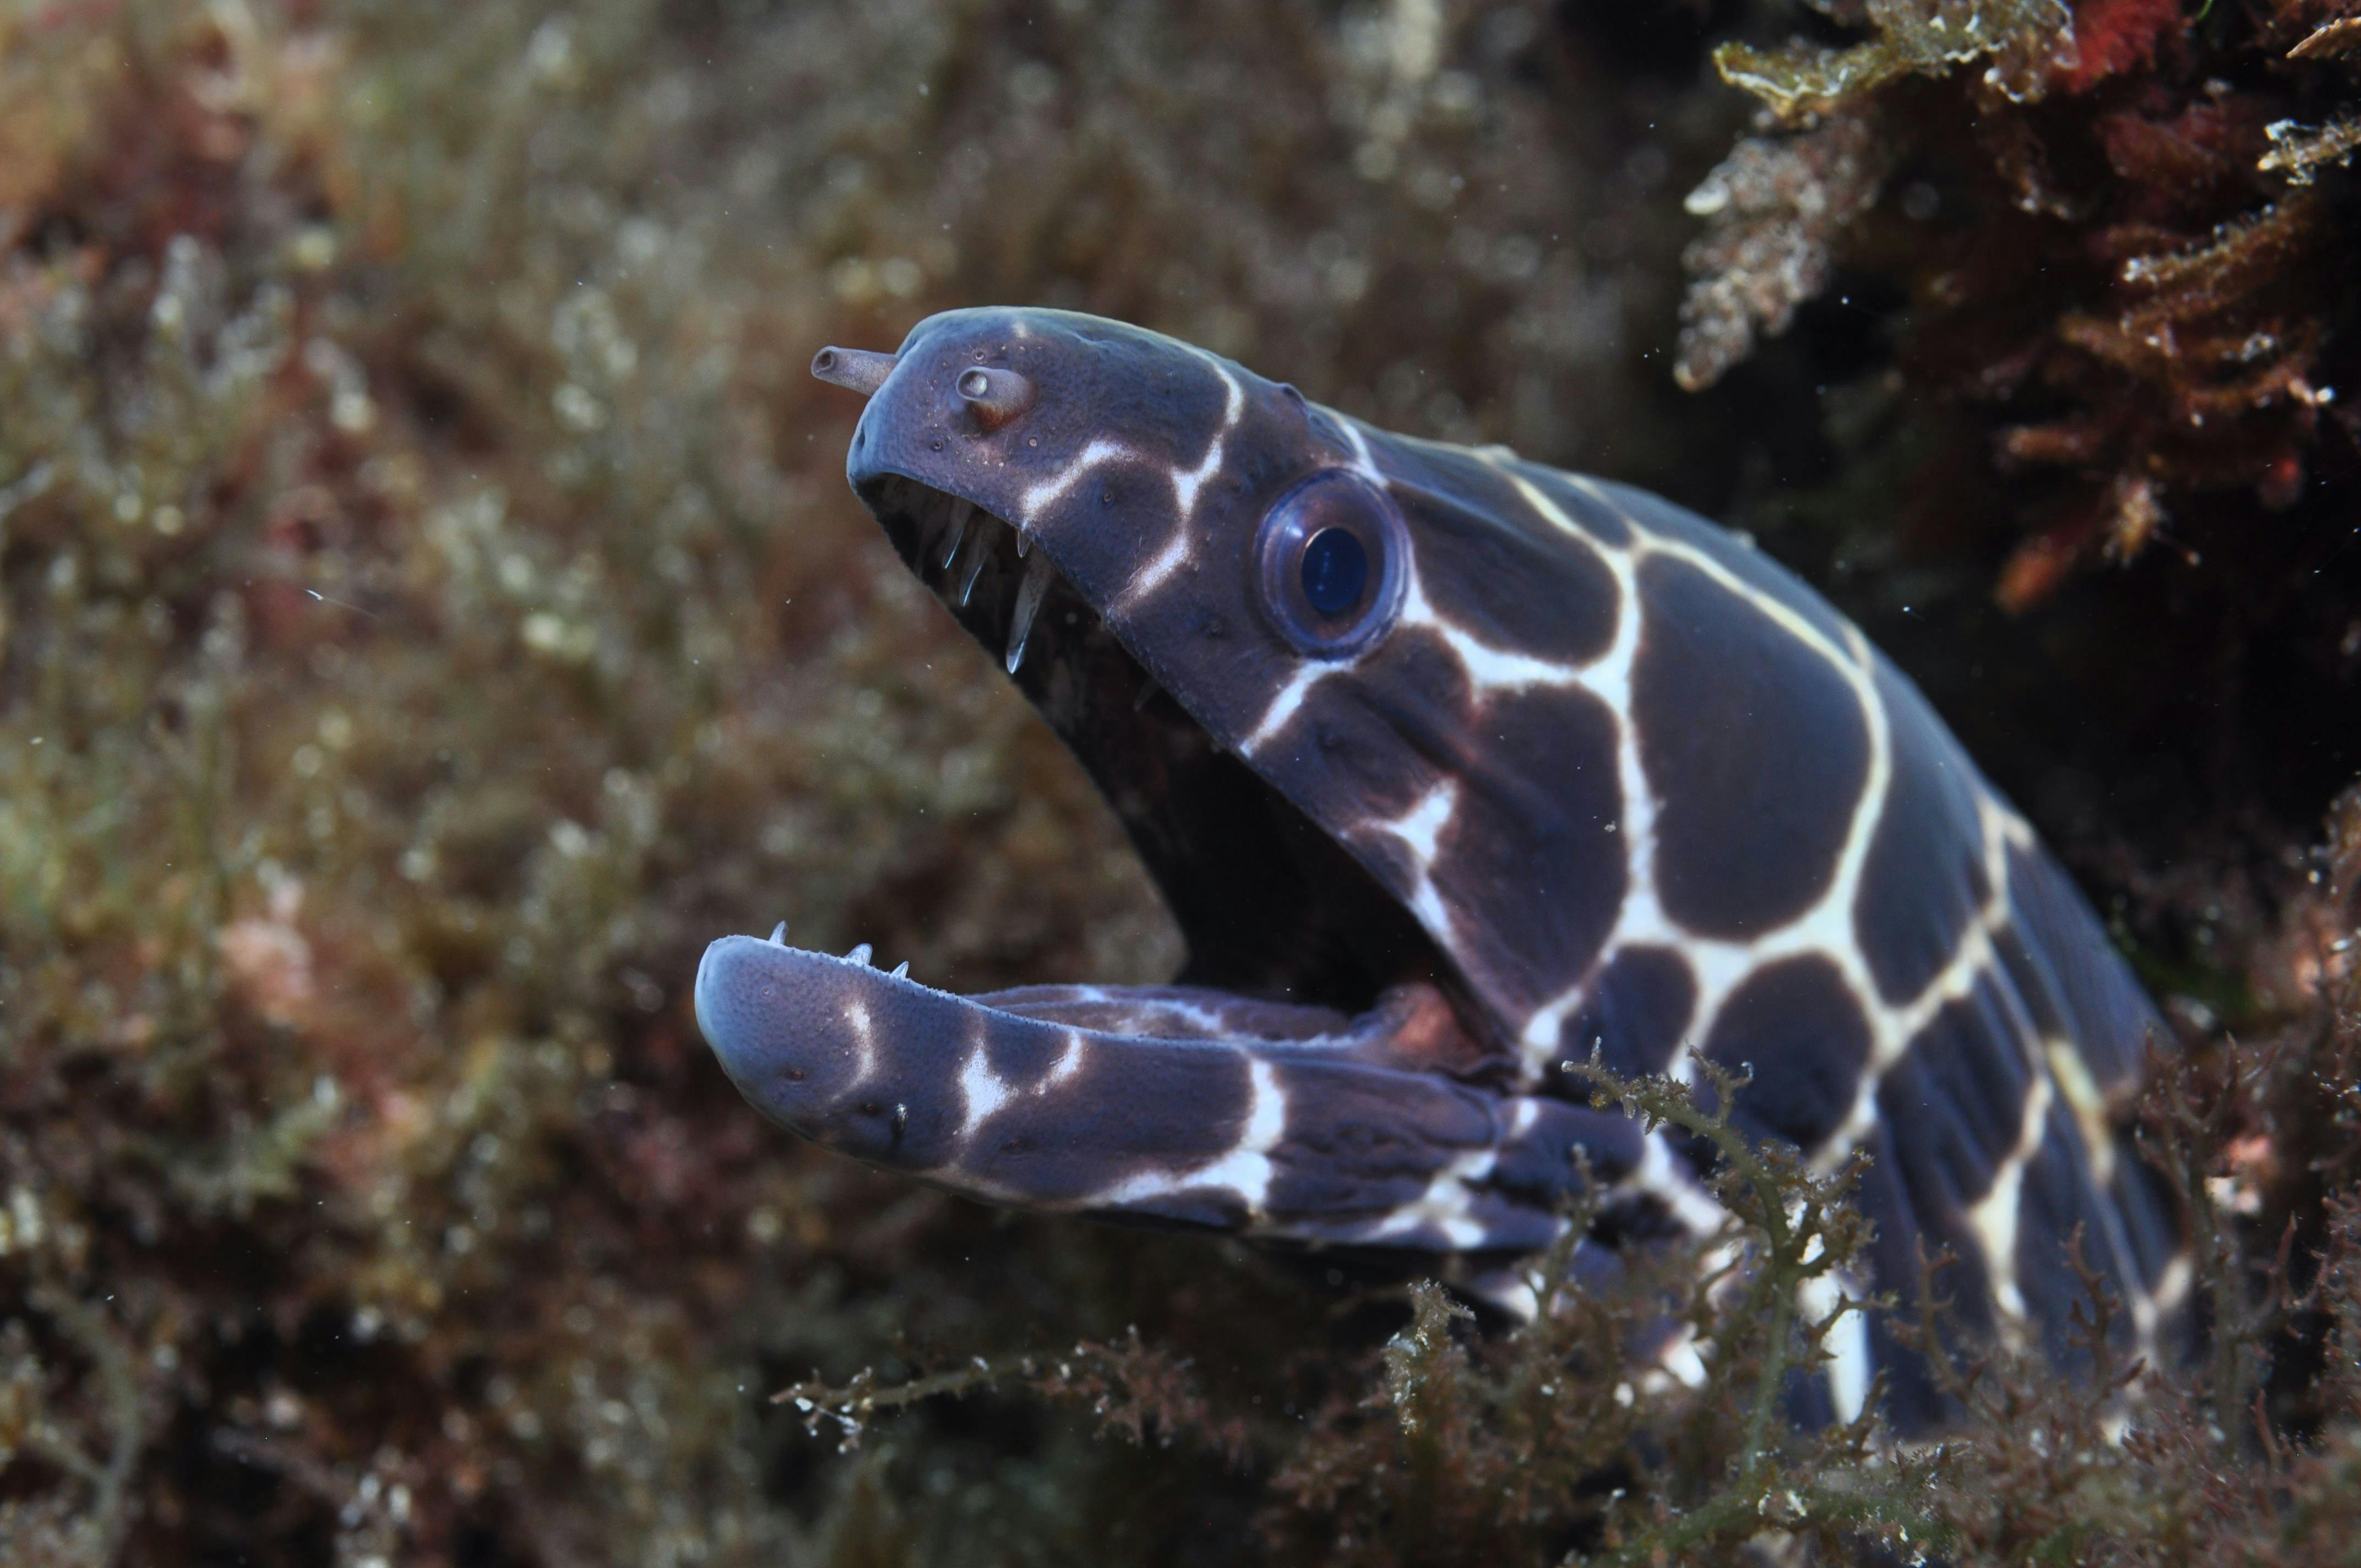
x=429 y=611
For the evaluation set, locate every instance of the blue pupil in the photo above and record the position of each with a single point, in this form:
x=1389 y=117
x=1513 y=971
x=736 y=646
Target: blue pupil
x=1336 y=570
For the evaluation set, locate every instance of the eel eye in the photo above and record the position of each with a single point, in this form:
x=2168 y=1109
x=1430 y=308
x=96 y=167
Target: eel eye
x=1331 y=559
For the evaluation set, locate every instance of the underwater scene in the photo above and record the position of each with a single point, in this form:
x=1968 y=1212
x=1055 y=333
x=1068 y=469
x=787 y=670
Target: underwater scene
x=1180 y=782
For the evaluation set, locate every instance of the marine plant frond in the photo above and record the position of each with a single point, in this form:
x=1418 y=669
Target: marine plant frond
x=1907 y=37
x=1128 y=1387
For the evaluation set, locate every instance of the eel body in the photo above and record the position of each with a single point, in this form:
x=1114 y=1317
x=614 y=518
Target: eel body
x=1454 y=768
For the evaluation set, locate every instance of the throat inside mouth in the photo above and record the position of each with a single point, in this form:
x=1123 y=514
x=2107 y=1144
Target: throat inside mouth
x=1269 y=905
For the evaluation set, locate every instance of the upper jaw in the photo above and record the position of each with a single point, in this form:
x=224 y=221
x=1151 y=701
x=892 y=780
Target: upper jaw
x=1270 y=902
x=917 y=426
x=991 y=575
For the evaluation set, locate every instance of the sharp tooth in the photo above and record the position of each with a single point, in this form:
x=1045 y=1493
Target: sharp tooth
x=1024 y=543
x=961 y=513
x=779 y=935
x=1030 y=594
x=902 y=969
x=976 y=553
x=859 y=955
x=1148 y=690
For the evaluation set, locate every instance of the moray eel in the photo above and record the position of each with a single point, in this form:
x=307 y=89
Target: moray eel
x=1454 y=768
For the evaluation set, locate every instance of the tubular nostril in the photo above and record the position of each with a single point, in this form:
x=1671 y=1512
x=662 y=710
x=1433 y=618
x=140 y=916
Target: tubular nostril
x=858 y=370
x=995 y=396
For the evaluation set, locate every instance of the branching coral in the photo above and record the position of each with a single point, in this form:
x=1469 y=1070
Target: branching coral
x=1772 y=209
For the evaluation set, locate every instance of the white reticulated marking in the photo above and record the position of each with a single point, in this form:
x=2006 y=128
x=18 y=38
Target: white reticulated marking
x=1850 y=1365
x=1537 y=497
x=1207 y=1020
x=2172 y=1285
x=1993 y=1216
x=1679 y=1362
x=1362 y=463
x=1892 y=1028
x=1151 y=576
x=1607 y=678
x=1246 y=1170
x=1663 y=1176
x=1826 y=929
x=1283 y=707
x=1421 y=827
x=864 y=1040
x=1445 y=1206
x=1309 y=673
x=986 y=1091
x=1419 y=831
x=1069 y=1063
x=1053 y=488
x=2088 y=1102
x=1515 y=1297
x=1488 y=669
x=1188 y=482
x=1850 y=661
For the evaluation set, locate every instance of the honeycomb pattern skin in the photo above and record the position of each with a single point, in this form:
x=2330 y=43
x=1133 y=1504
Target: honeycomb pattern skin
x=1601 y=778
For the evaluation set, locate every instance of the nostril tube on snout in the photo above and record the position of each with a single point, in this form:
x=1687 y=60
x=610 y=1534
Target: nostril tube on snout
x=994 y=395
x=860 y=370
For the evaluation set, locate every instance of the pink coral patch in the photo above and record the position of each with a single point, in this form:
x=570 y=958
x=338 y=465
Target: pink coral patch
x=2114 y=36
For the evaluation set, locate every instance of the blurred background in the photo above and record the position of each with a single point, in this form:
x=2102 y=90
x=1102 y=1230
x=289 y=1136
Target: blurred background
x=432 y=610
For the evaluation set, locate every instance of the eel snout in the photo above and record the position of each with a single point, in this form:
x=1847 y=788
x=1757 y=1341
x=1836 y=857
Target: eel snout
x=1303 y=1134
x=862 y=370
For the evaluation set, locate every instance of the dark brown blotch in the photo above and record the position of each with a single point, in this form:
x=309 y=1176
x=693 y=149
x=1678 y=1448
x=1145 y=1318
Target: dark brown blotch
x=1125 y=1112
x=1915 y=1402
x=1367 y=744
x=1798 y=1027
x=1636 y=1012
x=2065 y=952
x=1651 y=514
x=2060 y=1207
x=1923 y=882
x=1532 y=863
x=1493 y=574
x=1956 y=1100
x=1755 y=747
x=1361 y=1142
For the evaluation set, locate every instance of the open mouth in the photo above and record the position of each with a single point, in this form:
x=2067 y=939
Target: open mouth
x=1315 y=1074
x=1269 y=905
x=1307 y=1077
